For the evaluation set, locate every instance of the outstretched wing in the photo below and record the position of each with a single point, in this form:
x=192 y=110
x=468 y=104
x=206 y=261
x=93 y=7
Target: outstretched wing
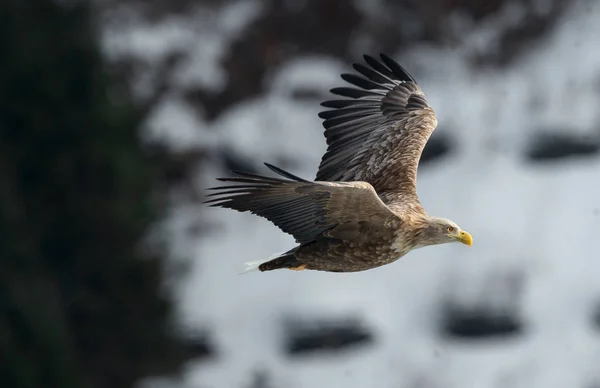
x=377 y=134
x=306 y=210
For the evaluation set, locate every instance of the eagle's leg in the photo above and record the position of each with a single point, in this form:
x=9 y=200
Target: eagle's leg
x=287 y=260
x=299 y=268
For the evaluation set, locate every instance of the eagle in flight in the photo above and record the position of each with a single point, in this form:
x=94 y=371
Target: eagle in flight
x=362 y=210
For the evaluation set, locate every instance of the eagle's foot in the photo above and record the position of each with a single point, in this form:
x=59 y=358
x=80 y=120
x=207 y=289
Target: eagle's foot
x=299 y=268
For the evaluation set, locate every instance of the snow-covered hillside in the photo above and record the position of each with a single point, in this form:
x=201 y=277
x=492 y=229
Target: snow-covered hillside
x=539 y=220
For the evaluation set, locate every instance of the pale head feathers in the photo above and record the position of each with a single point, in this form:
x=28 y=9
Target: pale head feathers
x=428 y=230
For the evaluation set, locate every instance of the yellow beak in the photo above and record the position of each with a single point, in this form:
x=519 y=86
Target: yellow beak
x=465 y=238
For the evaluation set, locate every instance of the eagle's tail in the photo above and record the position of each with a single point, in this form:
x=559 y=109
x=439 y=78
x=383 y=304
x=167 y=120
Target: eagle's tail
x=252 y=266
x=275 y=261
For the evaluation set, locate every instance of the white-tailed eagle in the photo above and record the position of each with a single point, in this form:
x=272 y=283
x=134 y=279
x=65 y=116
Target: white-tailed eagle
x=362 y=210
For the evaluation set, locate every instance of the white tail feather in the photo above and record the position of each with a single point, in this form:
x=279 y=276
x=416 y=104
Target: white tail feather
x=252 y=266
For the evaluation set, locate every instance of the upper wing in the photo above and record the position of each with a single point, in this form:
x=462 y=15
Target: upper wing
x=377 y=135
x=306 y=210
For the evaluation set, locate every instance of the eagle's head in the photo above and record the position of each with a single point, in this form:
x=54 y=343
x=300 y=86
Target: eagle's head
x=443 y=231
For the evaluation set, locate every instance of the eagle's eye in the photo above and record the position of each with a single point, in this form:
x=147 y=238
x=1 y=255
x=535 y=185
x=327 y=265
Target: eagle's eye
x=449 y=229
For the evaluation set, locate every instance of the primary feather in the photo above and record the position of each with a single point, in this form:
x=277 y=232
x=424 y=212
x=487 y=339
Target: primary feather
x=378 y=133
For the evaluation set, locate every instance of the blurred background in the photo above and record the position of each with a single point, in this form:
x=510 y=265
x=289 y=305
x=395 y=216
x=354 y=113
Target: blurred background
x=116 y=115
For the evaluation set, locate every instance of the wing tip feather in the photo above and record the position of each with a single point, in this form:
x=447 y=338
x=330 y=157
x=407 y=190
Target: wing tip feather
x=284 y=173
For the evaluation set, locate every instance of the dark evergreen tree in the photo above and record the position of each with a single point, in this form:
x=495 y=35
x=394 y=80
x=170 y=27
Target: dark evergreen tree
x=81 y=304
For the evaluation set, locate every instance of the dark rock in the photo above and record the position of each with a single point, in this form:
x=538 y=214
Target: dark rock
x=436 y=147
x=260 y=379
x=516 y=39
x=551 y=146
x=198 y=347
x=308 y=94
x=479 y=322
x=178 y=169
x=324 y=336
x=493 y=314
x=231 y=160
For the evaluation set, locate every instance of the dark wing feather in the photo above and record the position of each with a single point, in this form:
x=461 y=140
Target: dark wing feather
x=306 y=210
x=378 y=133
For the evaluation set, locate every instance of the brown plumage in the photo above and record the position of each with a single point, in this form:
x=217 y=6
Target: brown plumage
x=362 y=211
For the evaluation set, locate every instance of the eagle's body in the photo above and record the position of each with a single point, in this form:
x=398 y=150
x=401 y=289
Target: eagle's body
x=352 y=252
x=362 y=211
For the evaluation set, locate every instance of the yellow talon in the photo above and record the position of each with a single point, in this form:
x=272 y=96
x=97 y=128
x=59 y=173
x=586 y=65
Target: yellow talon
x=299 y=268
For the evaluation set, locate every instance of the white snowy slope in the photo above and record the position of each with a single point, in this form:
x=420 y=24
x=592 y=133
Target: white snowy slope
x=540 y=219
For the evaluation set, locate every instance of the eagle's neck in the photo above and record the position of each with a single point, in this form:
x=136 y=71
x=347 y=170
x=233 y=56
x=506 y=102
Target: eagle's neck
x=423 y=231
x=412 y=231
